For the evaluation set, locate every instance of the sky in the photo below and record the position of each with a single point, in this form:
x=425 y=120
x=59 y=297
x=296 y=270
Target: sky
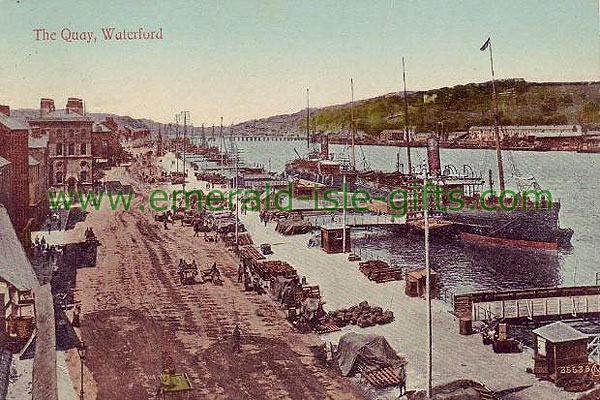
x=250 y=59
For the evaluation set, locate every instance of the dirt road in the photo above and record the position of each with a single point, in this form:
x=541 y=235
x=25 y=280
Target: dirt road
x=136 y=316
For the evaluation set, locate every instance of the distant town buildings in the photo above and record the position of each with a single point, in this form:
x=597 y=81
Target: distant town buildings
x=69 y=134
x=130 y=133
x=524 y=132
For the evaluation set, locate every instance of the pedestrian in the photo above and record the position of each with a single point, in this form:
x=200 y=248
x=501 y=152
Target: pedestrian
x=240 y=272
x=76 y=316
x=49 y=226
x=196 y=230
x=237 y=338
x=165 y=224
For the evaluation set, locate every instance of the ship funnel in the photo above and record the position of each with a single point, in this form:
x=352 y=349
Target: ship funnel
x=433 y=156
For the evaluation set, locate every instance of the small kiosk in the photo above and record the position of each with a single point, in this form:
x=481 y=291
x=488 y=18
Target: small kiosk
x=332 y=239
x=559 y=348
x=416 y=283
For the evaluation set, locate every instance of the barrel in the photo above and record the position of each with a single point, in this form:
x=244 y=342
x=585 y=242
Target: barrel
x=465 y=326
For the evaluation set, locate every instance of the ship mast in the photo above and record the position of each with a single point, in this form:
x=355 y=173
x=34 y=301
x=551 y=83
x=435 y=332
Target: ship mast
x=488 y=45
x=406 y=129
x=352 y=124
x=307 y=120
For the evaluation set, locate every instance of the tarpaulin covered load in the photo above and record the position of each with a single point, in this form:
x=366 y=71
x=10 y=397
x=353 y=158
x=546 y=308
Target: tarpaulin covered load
x=371 y=349
x=293 y=226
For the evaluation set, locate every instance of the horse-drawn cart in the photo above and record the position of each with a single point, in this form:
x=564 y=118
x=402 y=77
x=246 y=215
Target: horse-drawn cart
x=187 y=272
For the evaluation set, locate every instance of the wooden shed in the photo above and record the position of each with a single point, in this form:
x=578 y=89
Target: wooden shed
x=559 y=346
x=332 y=239
x=416 y=283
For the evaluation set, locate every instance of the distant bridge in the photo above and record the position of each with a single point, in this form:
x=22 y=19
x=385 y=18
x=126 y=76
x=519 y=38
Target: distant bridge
x=260 y=138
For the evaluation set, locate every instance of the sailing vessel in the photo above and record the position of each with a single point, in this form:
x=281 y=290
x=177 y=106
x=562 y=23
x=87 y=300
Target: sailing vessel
x=532 y=224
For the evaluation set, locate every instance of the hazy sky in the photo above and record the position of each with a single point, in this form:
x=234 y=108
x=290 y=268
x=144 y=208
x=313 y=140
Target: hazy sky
x=249 y=59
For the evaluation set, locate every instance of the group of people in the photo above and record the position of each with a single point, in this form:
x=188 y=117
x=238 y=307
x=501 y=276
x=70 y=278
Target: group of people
x=49 y=252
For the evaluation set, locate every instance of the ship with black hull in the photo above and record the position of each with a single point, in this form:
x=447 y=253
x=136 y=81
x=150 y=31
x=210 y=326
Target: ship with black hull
x=530 y=220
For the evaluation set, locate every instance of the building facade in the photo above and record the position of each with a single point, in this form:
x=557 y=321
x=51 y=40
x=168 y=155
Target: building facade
x=69 y=131
x=106 y=148
x=14 y=137
x=39 y=179
x=6 y=178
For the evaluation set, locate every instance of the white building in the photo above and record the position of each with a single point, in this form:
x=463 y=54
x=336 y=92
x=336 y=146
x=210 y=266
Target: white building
x=524 y=132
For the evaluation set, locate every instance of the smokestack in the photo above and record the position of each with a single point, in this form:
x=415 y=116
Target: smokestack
x=74 y=105
x=5 y=110
x=325 y=147
x=46 y=106
x=433 y=156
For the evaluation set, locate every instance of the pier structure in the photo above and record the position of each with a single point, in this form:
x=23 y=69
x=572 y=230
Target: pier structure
x=528 y=305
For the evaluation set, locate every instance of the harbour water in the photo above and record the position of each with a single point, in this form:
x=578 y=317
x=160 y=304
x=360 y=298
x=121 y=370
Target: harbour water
x=570 y=177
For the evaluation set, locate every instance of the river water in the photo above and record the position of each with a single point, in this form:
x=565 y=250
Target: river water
x=572 y=178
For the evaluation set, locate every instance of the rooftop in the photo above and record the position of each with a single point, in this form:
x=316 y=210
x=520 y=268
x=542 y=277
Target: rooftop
x=62 y=115
x=3 y=162
x=559 y=332
x=12 y=123
x=38 y=142
x=100 y=127
x=33 y=162
x=16 y=268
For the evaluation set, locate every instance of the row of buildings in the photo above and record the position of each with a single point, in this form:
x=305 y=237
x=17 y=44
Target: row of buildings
x=56 y=149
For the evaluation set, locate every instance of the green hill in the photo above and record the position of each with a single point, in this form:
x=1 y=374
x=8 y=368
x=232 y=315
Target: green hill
x=462 y=106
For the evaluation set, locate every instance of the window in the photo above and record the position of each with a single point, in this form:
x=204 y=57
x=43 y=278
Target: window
x=58 y=177
x=71 y=149
x=83 y=148
x=71 y=133
x=59 y=149
x=83 y=164
x=83 y=176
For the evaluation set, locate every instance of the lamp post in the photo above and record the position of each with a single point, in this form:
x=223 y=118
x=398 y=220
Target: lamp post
x=81 y=349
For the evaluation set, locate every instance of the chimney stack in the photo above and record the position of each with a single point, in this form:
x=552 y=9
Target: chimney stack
x=46 y=106
x=5 y=110
x=74 y=105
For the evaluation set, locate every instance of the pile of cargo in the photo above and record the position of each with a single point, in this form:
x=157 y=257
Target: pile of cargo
x=380 y=271
x=271 y=269
x=362 y=315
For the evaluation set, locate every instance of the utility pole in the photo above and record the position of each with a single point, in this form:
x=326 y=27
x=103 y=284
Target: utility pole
x=406 y=127
x=352 y=124
x=185 y=118
x=220 y=146
x=176 y=141
x=237 y=204
x=307 y=120
x=344 y=216
x=428 y=290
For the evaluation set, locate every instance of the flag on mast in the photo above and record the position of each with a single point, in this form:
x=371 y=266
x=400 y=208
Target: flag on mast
x=485 y=45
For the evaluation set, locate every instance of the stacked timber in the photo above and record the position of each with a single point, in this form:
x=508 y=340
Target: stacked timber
x=362 y=315
x=380 y=271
